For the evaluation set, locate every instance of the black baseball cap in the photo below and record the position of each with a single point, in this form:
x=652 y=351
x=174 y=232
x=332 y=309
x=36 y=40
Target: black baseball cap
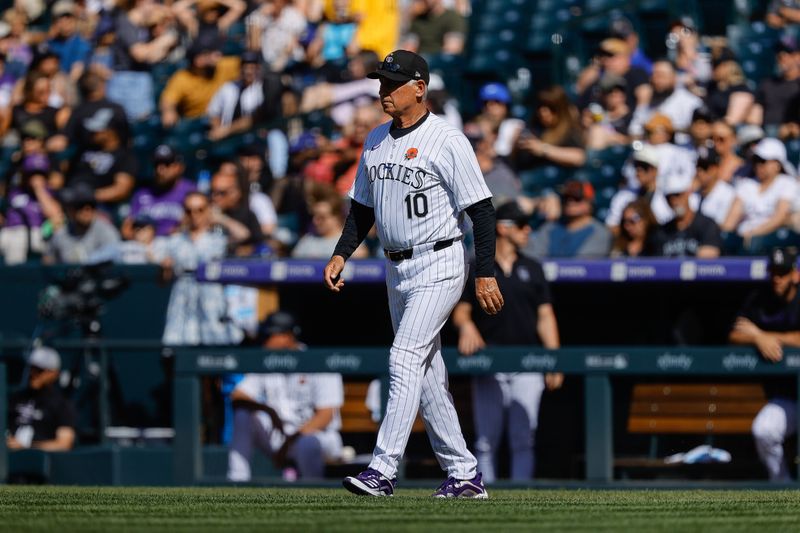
x=782 y=260
x=402 y=65
x=165 y=154
x=707 y=157
x=510 y=212
x=278 y=322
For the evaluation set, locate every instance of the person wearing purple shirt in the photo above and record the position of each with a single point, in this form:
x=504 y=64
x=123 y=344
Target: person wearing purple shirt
x=29 y=205
x=163 y=201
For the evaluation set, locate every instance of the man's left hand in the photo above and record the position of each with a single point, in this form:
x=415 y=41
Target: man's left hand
x=488 y=295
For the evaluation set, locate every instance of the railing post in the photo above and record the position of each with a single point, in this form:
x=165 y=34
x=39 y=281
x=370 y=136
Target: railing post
x=186 y=449
x=3 y=410
x=599 y=428
x=104 y=401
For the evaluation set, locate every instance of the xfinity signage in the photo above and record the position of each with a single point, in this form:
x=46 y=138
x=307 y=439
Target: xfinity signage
x=670 y=361
x=541 y=363
x=280 y=362
x=217 y=362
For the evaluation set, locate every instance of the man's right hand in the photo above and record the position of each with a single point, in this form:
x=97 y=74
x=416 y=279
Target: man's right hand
x=770 y=347
x=332 y=273
x=470 y=339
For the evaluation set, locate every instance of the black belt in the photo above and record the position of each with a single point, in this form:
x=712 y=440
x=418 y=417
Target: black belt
x=399 y=255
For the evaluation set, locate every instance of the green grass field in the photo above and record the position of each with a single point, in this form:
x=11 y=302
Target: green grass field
x=61 y=509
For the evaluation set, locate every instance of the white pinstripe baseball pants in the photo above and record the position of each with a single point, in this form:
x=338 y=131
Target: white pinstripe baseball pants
x=422 y=292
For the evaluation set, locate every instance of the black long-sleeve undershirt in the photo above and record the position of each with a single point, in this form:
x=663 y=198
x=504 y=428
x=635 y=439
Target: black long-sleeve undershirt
x=361 y=218
x=483 y=221
x=356 y=227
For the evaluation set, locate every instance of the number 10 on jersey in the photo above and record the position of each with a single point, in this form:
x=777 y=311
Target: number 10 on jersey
x=416 y=205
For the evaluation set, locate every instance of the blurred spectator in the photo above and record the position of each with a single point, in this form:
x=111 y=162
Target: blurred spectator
x=229 y=199
x=769 y=320
x=136 y=49
x=613 y=57
x=700 y=128
x=747 y=138
x=660 y=135
x=501 y=180
x=293 y=418
x=378 y=25
x=764 y=201
x=495 y=101
x=778 y=97
x=62 y=87
x=366 y=117
x=15 y=43
x=578 y=234
x=608 y=121
x=210 y=18
x=257 y=173
x=39 y=416
x=161 y=202
x=689 y=234
x=197 y=312
x=240 y=105
x=327 y=220
x=275 y=28
x=440 y=102
x=715 y=196
x=94 y=103
x=645 y=162
x=782 y=13
x=34 y=106
x=690 y=57
x=189 y=91
x=65 y=41
x=29 y=206
x=259 y=202
x=724 y=137
x=138 y=247
x=555 y=137
x=7 y=83
x=334 y=41
x=33 y=138
x=621 y=28
x=728 y=95
x=636 y=228
x=668 y=98
x=109 y=167
x=84 y=231
x=435 y=29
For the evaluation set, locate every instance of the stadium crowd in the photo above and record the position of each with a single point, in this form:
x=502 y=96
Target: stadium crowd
x=111 y=114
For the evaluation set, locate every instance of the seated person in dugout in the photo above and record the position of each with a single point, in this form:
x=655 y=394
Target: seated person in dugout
x=770 y=321
x=289 y=417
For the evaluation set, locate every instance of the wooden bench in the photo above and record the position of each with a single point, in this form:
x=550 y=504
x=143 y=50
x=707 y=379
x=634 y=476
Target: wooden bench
x=690 y=409
x=356 y=418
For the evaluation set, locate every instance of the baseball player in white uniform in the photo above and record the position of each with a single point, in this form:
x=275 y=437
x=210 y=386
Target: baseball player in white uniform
x=286 y=416
x=416 y=178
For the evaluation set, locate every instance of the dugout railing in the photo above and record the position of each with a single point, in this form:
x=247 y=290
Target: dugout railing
x=597 y=366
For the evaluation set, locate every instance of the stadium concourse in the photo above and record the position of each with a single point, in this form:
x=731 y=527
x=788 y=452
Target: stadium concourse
x=194 y=158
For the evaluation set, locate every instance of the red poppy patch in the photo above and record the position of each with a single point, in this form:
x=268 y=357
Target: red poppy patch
x=411 y=153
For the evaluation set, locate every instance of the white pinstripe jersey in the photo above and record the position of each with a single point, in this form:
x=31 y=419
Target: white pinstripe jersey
x=418 y=184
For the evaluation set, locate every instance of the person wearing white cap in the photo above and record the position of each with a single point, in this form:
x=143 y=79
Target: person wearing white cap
x=689 y=234
x=645 y=162
x=39 y=416
x=764 y=202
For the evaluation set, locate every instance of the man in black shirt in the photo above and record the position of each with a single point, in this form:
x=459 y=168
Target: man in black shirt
x=777 y=94
x=109 y=166
x=526 y=319
x=227 y=196
x=690 y=233
x=39 y=416
x=770 y=320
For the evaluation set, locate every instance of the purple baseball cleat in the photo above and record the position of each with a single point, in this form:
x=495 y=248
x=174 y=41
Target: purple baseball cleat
x=462 y=488
x=370 y=482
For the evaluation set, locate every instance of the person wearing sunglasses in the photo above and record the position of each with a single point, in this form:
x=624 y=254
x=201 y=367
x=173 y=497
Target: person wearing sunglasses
x=769 y=320
x=764 y=202
x=635 y=230
x=509 y=401
x=724 y=138
x=689 y=233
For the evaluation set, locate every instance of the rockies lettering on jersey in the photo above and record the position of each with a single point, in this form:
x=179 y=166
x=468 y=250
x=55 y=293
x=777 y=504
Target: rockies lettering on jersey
x=418 y=184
